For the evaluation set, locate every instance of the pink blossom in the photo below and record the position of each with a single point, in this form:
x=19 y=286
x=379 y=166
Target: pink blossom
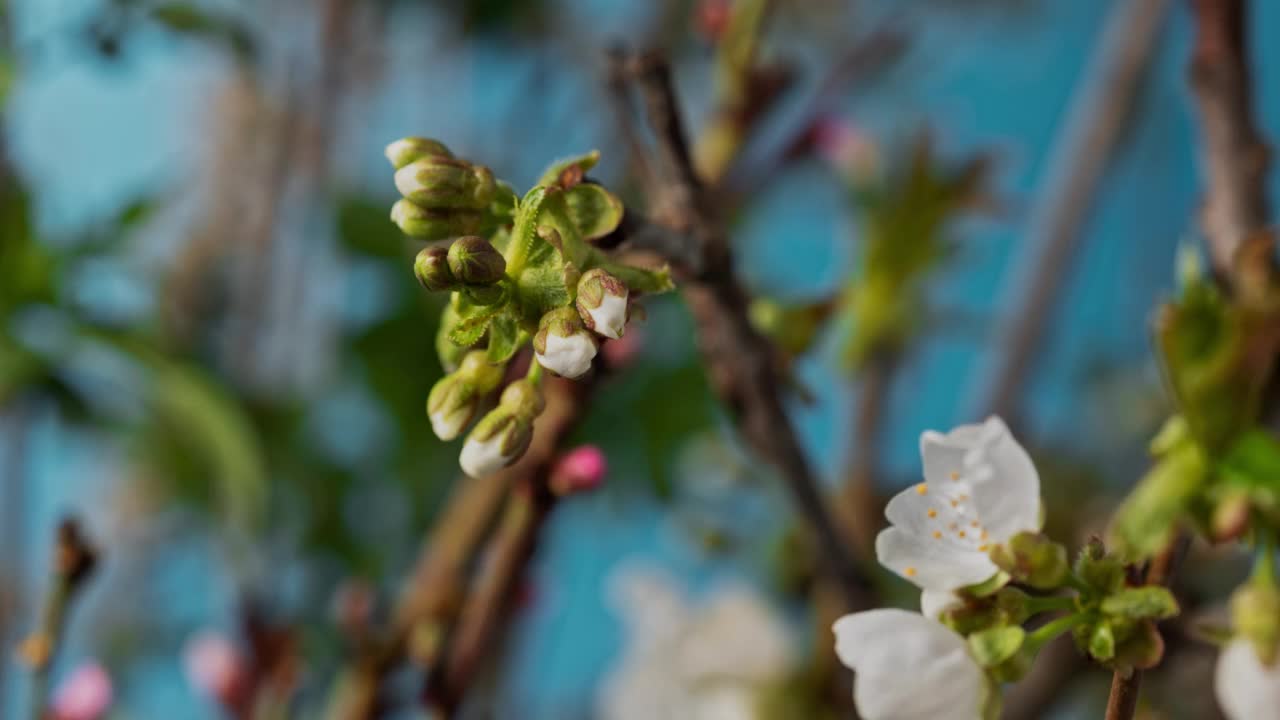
x=214 y=666
x=844 y=146
x=85 y=695
x=582 y=468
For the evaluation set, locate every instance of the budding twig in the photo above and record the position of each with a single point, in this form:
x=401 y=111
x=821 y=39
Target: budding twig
x=741 y=362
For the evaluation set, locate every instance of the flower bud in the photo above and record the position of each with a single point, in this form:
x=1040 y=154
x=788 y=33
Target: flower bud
x=407 y=150
x=455 y=398
x=1033 y=559
x=431 y=267
x=446 y=183
x=216 y=667
x=475 y=262
x=1231 y=517
x=580 y=469
x=1140 y=647
x=563 y=345
x=503 y=435
x=434 y=224
x=85 y=695
x=1255 y=613
x=602 y=303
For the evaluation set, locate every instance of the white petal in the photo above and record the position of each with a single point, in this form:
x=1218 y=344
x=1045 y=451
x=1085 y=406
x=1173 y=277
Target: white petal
x=447 y=426
x=735 y=636
x=945 y=454
x=483 y=457
x=723 y=701
x=935 y=602
x=407 y=180
x=568 y=356
x=610 y=318
x=1008 y=496
x=908 y=667
x=1246 y=689
x=929 y=563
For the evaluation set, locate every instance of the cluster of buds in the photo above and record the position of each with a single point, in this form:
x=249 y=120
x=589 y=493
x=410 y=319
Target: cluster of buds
x=521 y=271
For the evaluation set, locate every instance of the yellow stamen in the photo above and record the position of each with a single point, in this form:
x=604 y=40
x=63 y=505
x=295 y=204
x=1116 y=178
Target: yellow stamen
x=933 y=513
x=955 y=475
x=922 y=489
x=909 y=572
x=937 y=535
x=983 y=547
x=961 y=533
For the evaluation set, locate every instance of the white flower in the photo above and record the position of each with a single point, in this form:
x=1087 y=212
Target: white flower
x=1246 y=689
x=697 y=662
x=602 y=303
x=448 y=425
x=980 y=489
x=610 y=317
x=909 y=667
x=568 y=356
x=935 y=602
x=484 y=457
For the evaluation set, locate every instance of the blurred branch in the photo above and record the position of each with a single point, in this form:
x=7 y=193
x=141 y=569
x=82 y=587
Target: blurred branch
x=74 y=560
x=13 y=540
x=1234 y=177
x=1081 y=154
x=1234 y=158
x=741 y=362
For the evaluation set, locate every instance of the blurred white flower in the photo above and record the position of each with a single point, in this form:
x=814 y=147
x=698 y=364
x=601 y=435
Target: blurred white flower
x=1246 y=689
x=703 y=662
x=980 y=489
x=907 y=667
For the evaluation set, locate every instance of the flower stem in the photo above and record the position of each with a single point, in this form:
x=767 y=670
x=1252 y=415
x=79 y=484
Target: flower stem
x=1052 y=602
x=534 y=373
x=1052 y=629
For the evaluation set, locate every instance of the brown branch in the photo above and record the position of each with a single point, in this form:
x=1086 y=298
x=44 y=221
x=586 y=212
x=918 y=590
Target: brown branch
x=1082 y=154
x=740 y=361
x=1233 y=156
x=860 y=505
x=1234 y=168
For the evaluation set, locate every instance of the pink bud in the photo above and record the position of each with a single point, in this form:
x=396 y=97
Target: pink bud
x=214 y=666
x=580 y=469
x=86 y=694
x=621 y=352
x=844 y=146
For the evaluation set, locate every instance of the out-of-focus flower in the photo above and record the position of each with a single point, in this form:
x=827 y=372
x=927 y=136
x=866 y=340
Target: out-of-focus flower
x=563 y=345
x=437 y=181
x=602 y=303
x=845 y=147
x=214 y=666
x=909 y=666
x=1246 y=689
x=704 y=662
x=86 y=694
x=980 y=489
x=410 y=149
x=582 y=468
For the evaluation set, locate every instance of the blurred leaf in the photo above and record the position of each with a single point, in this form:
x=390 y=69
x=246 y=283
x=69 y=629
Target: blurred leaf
x=190 y=19
x=365 y=229
x=1145 y=522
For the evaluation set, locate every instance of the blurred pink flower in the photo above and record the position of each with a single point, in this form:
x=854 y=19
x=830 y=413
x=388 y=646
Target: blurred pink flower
x=844 y=146
x=582 y=468
x=214 y=666
x=619 y=353
x=711 y=17
x=86 y=694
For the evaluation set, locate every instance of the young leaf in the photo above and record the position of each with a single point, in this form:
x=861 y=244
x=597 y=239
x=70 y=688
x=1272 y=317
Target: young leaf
x=594 y=211
x=504 y=338
x=569 y=169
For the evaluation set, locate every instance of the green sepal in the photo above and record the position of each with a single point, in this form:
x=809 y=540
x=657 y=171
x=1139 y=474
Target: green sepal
x=1150 y=602
x=577 y=165
x=989 y=586
x=1102 y=642
x=593 y=210
x=994 y=646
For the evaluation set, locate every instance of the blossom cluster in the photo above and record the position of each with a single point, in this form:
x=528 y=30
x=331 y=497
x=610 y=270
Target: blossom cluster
x=520 y=270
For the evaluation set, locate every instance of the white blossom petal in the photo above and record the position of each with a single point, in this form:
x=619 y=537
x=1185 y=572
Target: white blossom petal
x=483 y=457
x=568 y=356
x=448 y=425
x=1005 y=484
x=929 y=563
x=611 y=317
x=1246 y=689
x=908 y=667
x=935 y=602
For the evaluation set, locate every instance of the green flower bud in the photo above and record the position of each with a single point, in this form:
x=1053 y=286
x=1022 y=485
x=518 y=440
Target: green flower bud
x=1140 y=647
x=503 y=436
x=475 y=262
x=431 y=267
x=602 y=303
x=446 y=183
x=1033 y=559
x=1150 y=602
x=434 y=224
x=1255 y=613
x=407 y=150
x=563 y=345
x=454 y=400
x=1100 y=571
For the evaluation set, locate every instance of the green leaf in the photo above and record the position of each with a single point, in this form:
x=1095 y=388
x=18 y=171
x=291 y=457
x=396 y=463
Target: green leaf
x=1253 y=461
x=469 y=330
x=1151 y=602
x=579 y=164
x=189 y=19
x=996 y=645
x=504 y=338
x=593 y=210
x=1145 y=522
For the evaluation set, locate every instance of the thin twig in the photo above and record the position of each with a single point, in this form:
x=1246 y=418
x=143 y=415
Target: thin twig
x=1081 y=155
x=741 y=362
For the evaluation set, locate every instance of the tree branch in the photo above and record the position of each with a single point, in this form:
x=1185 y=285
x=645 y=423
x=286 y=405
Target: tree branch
x=741 y=362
